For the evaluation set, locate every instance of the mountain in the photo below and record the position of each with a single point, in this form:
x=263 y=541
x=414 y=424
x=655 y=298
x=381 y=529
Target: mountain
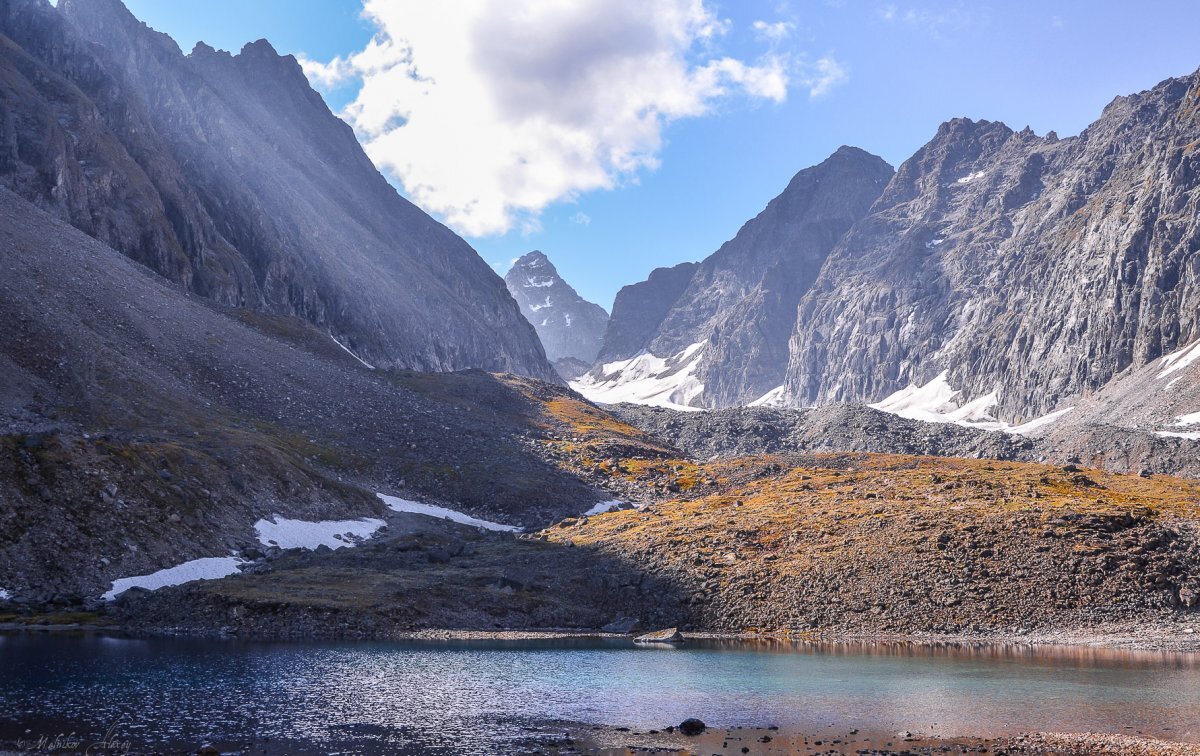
x=715 y=333
x=1021 y=272
x=570 y=327
x=147 y=426
x=228 y=175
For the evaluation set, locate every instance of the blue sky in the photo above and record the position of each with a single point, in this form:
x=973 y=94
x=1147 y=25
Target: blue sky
x=904 y=68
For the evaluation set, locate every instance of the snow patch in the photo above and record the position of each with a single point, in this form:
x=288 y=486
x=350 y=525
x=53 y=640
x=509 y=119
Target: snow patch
x=533 y=283
x=567 y=316
x=352 y=354
x=536 y=307
x=5 y=595
x=1039 y=422
x=935 y=402
x=1189 y=435
x=301 y=534
x=773 y=398
x=933 y=243
x=206 y=568
x=602 y=507
x=971 y=177
x=1179 y=359
x=1192 y=418
x=647 y=379
x=404 y=505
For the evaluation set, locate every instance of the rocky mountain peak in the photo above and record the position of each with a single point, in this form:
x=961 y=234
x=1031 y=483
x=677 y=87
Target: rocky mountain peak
x=570 y=327
x=715 y=333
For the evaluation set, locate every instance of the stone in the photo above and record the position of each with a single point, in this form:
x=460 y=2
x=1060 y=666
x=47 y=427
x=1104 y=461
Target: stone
x=692 y=727
x=669 y=635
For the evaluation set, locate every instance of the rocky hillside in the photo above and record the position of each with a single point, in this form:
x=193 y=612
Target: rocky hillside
x=228 y=175
x=860 y=543
x=716 y=333
x=147 y=427
x=570 y=327
x=1033 y=267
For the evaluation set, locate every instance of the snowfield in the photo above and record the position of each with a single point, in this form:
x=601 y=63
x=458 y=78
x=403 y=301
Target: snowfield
x=300 y=534
x=397 y=504
x=205 y=568
x=935 y=402
x=647 y=379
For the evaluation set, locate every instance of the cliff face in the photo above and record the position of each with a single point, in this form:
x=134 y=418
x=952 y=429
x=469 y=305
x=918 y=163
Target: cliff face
x=570 y=327
x=734 y=312
x=1035 y=268
x=228 y=175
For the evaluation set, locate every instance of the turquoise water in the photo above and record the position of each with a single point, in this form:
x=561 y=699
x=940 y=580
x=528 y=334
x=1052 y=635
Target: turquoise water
x=456 y=697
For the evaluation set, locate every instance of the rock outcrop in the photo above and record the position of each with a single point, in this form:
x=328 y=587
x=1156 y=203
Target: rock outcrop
x=570 y=327
x=734 y=312
x=1034 y=267
x=228 y=175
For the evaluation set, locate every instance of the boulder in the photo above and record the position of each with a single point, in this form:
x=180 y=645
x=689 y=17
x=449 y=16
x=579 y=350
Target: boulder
x=692 y=727
x=669 y=635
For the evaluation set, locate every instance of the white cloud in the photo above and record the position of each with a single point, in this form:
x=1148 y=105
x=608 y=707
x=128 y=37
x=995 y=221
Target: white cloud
x=822 y=76
x=775 y=32
x=487 y=111
x=581 y=218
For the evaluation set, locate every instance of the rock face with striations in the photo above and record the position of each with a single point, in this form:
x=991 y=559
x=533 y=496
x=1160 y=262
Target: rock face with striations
x=721 y=326
x=228 y=175
x=570 y=327
x=1034 y=267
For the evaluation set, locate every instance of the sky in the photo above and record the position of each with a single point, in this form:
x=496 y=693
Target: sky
x=618 y=136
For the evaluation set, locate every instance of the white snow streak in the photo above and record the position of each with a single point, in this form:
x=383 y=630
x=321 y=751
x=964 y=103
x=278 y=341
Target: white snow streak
x=206 y=568
x=404 y=505
x=301 y=534
x=971 y=177
x=352 y=354
x=647 y=379
x=534 y=283
x=4 y=595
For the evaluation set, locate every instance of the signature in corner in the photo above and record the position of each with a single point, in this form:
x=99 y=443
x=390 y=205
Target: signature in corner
x=74 y=743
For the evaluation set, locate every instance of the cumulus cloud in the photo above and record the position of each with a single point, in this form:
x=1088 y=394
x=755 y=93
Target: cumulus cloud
x=489 y=110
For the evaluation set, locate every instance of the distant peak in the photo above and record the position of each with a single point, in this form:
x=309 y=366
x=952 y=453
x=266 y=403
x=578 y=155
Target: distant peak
x=203 y=49
x=531 y=259
x=259 y=47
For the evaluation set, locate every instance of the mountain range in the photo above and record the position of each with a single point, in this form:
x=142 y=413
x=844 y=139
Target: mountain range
x=219 y=317
x=997 y=274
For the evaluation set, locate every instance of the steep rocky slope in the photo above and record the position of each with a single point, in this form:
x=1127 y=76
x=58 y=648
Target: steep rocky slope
x=716 y=333
x=228 y=175
x=1033 y=267
x=146 y=427
x=570 y=327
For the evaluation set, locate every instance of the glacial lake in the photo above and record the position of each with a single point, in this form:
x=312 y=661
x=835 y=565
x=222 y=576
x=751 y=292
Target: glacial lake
x=477 y=696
